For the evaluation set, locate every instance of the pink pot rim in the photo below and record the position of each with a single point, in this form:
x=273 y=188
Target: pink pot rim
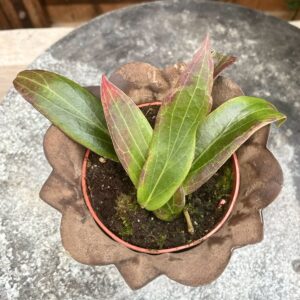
x=234 y=196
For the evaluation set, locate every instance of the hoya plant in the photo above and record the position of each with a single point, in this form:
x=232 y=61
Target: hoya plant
x=188 y=144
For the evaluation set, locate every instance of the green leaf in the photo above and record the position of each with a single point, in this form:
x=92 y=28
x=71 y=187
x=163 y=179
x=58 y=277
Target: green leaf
x=130 y=131
x=221 y=61
x=172 y=208
x=223 y=132
x=70 y=107
x=172 y=147
x=131 y=134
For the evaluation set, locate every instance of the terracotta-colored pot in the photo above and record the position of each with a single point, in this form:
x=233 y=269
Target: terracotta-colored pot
x=234 y=194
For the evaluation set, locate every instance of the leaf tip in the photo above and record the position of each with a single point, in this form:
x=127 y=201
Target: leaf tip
x=207 y=40
x=15 y=81
x=108 y=91
x=104 y=80
x=104 y=85
x=19 y=79
x=281 y=120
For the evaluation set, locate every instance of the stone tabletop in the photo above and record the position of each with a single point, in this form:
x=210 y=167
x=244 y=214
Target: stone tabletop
x=34 y=264
x=19 y=47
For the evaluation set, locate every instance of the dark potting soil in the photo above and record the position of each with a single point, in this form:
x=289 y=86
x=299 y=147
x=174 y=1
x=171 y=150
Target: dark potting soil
x=113 y=197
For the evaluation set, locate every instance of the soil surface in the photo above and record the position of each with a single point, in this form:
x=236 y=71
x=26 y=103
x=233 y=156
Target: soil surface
x=113 y=197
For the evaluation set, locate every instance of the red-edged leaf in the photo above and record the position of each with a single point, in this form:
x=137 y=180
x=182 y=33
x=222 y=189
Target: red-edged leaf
x=129 y=129
x=131 y=135
x=223 y=132
x=70 y=107
x=173 y=144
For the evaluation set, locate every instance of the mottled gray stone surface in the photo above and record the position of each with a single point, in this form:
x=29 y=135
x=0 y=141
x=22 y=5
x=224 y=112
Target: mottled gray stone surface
x=33 y=263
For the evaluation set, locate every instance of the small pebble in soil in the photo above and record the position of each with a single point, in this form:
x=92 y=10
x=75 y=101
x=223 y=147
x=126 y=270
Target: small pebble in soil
x=221 y=203
x=102 y=160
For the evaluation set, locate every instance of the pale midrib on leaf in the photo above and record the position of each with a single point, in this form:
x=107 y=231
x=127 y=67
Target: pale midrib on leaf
x=230 y=144
x=149 y=130
x=161 y=192
x=191 y=100
x=220 y=135
x=94 y=125
x=194 y=183
x=87 y=133
x=153 y=189
x=92 y=112
x=170 y=208
x=98 y=138
x=254 y=104
x=63 y=99
x=126 y=125
x=138 y=163
x=187 y=133
x=132 y=137
x=169 y=156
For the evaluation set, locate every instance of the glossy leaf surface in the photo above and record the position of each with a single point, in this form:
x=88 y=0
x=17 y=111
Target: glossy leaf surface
x=223 y=132
x=70 y=107
x=172 y=147
x=172 y=208
x=131 y=135
x=130 y=131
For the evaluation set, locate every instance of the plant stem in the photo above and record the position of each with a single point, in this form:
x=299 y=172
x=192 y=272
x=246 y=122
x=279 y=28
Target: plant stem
x=190 y=226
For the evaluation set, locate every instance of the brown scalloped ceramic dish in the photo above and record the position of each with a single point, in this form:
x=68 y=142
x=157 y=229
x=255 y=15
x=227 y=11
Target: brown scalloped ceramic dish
x=261 y=181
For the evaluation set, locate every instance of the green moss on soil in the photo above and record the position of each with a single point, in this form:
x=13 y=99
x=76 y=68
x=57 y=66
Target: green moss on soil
x=125 y=206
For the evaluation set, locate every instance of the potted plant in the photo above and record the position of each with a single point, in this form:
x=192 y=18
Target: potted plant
x=159 y=177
